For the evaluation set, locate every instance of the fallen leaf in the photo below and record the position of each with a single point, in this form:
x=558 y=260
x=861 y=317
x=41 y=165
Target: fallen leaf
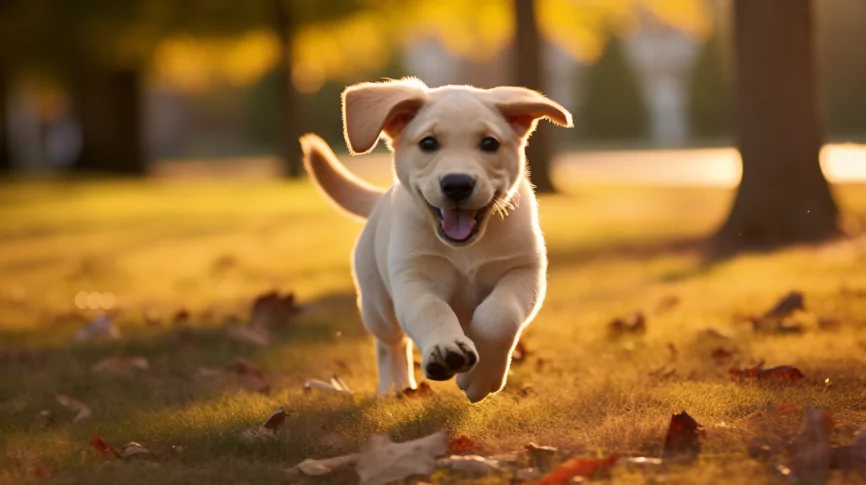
x=268 y=430
x=639 y=462
x=315 y=468
x=276 y=420
x=633 y=324
x=851 y=457
x=120 y=365
x=667 y=303
x=672 y=352
x=383 y=461
x=790 y=303
x=181 y=317
x=102 y=327
x=463 y=444
x=541 y=457
x=45 y=419
x=470 y=464
x=271 y=310
x=683 y=440
x=809 y=463
x=75 y=406
x=829 y=322
x=336 y=384
x=41 y=472
x=245 y=367
x=519 y=354
x=721 y=353
x=256 y=336
x=781 y=373
x=133 y=449
x=102 y=448
x=662 y=373
x=423 y=389
x=578 y=467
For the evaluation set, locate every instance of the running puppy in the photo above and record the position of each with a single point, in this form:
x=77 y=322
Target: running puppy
x=452 y=256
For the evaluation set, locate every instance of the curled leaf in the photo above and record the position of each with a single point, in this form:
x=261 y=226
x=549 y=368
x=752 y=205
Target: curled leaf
x=102 y=448
x=683 y=439
x=276 y=420
x=781 y=373
x=133 y=449
x=541 y=457
x=75 y=406
x=470 y=464
x=336 y=385
x=271 y=310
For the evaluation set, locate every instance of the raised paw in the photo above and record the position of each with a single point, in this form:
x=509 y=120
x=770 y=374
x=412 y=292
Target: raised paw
x=443 y=360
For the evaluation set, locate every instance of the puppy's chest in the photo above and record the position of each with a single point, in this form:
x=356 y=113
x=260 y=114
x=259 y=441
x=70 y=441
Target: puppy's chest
x=468 y=289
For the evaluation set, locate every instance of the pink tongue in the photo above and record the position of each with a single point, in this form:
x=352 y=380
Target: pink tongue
x=457 y=223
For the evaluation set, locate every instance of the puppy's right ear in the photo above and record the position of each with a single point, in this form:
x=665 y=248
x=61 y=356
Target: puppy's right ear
x=369 y=109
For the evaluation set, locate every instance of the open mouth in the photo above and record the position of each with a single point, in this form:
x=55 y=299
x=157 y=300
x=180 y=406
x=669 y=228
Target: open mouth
x=458 y=225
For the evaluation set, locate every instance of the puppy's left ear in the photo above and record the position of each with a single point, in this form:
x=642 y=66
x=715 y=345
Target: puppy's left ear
x=523 y=107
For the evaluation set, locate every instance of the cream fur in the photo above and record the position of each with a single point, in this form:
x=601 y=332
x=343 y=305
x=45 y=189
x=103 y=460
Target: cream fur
x=452 y=300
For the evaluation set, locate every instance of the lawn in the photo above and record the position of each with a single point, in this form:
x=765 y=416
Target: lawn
x=156 y=248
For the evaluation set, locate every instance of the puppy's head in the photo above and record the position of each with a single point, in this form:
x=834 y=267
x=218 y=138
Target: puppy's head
x=459 y=150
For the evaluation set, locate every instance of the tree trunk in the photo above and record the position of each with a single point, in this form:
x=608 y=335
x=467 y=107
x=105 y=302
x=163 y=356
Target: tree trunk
x=288 y=99
x=109 y=109
x=529 y=73
x=783 y=196
x=5 y=152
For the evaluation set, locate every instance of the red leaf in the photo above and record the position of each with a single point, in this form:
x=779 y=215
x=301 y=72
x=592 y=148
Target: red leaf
x=683 y=438
x=721 y=353
x=578 y=467
x=463 y=444
x=102 y=448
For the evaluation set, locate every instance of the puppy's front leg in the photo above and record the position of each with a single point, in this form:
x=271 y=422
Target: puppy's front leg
x=496 y=326
x=432 y=325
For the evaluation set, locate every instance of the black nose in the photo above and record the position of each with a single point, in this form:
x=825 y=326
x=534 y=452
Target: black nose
x=457 y=186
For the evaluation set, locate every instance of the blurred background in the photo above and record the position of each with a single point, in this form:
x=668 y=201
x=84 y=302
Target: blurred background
x=218 y=87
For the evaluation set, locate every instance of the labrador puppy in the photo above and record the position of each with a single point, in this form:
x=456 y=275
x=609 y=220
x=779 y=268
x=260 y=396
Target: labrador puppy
x=451 y=258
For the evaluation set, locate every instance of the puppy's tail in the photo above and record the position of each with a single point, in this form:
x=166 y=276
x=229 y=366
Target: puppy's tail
x=346 y=191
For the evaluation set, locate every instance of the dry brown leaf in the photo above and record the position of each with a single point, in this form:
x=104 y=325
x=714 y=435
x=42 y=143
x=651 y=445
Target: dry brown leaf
x=809 y=463
x=245 y=367
x=134 y=449
x=276 y=420
x=256 y=336
x=519 y=354
x=683 y=440
x=120 y=365
x=272 y=310
x=634 y=324
x=383 y=461
x=102 y=327
x=790 y=303
x=780 y=373
x=470 y=464
x=83 y=412
x=315 y=468
x=667 y=303
x=102 y=448
x=541 y=457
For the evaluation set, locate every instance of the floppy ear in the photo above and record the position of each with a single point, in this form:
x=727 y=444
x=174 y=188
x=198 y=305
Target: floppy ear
x=372 y=108
x=523 y=107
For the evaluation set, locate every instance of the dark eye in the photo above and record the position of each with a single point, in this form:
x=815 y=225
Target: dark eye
x=428 y=144
x=489 y=145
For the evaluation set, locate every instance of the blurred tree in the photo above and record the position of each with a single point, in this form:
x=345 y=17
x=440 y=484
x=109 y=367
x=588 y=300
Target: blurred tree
x=842 y=60
x=614 y=106
x=5 y=155
x=529 y=72
x=710 y=94
x=783 y=196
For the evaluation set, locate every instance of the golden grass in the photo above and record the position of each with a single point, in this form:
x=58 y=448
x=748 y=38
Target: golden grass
x=211 y=247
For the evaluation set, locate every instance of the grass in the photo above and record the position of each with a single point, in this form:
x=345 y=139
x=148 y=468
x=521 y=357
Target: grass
x=211 y=247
